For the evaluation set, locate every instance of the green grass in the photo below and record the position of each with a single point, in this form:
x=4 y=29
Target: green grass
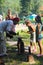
x=14 y=59
x=42 y=19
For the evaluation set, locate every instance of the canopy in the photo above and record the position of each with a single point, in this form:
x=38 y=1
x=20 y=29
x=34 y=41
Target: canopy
x=31 y=17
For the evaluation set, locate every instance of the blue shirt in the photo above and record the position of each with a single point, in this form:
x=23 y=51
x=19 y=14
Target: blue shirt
x=6 y=25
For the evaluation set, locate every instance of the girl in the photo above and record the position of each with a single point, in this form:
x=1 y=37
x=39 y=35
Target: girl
x=32 y=35
x=38 y=33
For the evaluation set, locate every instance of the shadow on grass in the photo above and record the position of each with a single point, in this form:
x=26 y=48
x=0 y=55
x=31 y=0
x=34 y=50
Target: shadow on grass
x=40 y=59
x=12 y=55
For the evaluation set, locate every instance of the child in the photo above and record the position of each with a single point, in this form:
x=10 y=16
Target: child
x=38 y=33
x=32 y=34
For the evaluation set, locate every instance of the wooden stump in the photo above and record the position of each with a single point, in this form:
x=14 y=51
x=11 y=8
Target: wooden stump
x=1 y=61
x=30 y=57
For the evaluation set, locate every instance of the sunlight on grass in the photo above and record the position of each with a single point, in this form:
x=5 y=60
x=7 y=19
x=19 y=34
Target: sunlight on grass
x=14 y=59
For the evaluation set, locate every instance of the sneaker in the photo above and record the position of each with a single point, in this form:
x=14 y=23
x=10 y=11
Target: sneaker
x=33 y=49
x=3 y=54
x=40 y=55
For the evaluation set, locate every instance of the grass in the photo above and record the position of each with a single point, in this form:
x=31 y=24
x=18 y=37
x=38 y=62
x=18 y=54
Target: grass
x=14 y=59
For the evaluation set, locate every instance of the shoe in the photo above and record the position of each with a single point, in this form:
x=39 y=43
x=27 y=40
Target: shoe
x=3 y=54
x=33 y=49
x=40 y=55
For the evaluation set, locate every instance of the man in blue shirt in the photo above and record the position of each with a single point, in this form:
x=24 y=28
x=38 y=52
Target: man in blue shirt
x=5 y=26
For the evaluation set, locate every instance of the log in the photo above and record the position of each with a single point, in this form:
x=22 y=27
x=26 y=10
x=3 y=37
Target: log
x=1 y=61
x=30 y=57
x=20 y=46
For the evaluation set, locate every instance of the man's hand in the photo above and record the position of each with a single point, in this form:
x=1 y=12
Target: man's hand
x=10 y=34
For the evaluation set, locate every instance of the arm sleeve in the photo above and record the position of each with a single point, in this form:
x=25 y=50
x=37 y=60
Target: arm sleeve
x=9 y=26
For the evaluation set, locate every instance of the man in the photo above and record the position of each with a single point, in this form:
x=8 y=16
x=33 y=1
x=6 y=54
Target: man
x=5 y=26
x=15 y=19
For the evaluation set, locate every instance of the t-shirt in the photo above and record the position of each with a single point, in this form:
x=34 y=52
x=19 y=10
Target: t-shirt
x=30 y=29
x=31 y=32
x=38 y=35
x=6 y=25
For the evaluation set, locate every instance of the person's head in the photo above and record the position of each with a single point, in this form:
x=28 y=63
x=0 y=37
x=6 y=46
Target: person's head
x=27 y=22
x=38 y=19
x=16 y=20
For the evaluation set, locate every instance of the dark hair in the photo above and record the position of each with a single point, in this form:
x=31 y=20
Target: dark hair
x=38 y=19
x=16 y=20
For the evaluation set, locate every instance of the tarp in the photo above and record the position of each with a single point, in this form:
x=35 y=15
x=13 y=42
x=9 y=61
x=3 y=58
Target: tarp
x=31 y=17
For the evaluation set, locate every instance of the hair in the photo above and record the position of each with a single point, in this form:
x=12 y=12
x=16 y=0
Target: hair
x=16 y=20
x=38 y=19
x=27 y=21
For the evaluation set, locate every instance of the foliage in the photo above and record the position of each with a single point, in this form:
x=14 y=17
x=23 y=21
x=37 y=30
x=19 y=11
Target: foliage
x=14 y=5
x=22 y=7
x=2 y=5
x=30 y=6
x=25 y=7
x=34 y=6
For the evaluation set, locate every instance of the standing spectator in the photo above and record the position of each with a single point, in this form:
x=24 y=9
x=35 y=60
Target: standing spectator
x=9 y=15
x=38 y=33
x=32 y=35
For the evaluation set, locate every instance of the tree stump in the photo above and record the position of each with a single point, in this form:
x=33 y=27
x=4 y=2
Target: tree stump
x=1 y=61
x=30 y=57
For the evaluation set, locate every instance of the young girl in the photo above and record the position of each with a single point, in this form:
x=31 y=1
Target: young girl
x=38 y=33
x=32 y=34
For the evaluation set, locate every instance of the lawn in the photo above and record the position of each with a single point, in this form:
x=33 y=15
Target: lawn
x=14 y=59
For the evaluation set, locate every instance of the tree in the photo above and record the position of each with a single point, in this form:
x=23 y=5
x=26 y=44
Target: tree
x=30 y=6
x=14 y=5
x=25 y=7
x=2 y=5
x=34 y=6
x=22 y=7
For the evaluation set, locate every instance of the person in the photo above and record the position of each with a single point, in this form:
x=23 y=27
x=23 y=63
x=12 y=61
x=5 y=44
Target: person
x=5 y=26
x=9 y=15
x=15 y=19
x=31 y=28
x=38 y=33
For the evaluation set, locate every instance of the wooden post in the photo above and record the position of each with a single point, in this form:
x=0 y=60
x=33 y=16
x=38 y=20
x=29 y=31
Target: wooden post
x=1 y=61
x=20 y=46
x=30 y=57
